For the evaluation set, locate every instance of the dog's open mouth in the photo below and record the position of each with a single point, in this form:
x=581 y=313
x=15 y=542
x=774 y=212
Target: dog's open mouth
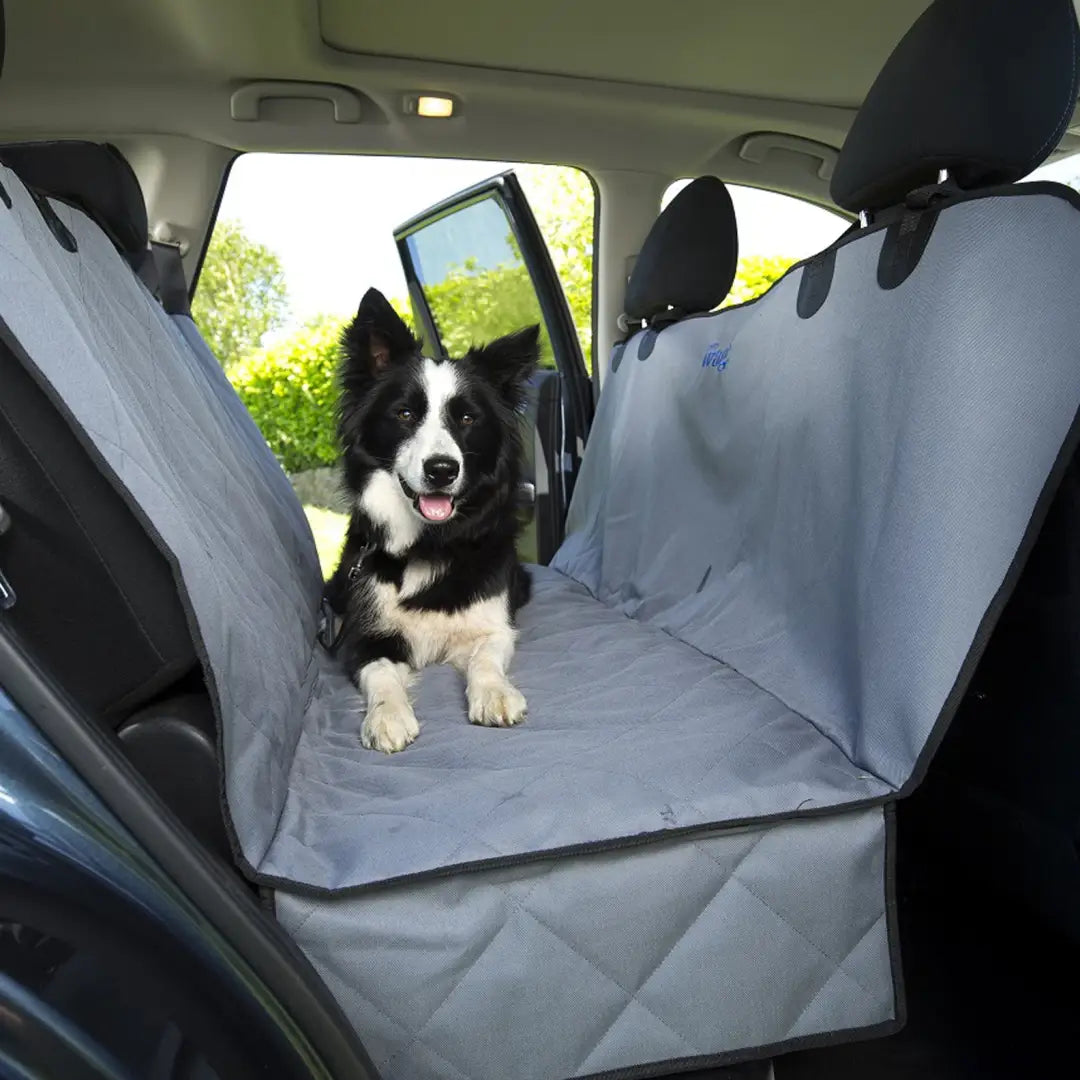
x=436 y=507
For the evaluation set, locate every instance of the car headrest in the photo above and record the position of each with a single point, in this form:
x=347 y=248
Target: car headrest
x=96 y=178
x=982 y=88
x=688 y=259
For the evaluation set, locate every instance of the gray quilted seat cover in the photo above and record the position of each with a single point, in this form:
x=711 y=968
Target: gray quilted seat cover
x=786 y=548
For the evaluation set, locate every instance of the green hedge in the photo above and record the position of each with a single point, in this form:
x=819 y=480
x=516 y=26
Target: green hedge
x=290 y=387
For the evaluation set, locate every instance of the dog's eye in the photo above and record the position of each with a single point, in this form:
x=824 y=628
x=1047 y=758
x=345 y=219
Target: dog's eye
x=405 y=414
x=467 y=419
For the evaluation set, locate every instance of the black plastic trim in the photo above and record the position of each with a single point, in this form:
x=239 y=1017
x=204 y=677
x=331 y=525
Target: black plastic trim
x=212 y=223
x=576 y=386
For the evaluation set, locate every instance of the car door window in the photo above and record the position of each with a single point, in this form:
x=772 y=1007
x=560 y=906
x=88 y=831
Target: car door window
x=477 y=267
x=474 y=280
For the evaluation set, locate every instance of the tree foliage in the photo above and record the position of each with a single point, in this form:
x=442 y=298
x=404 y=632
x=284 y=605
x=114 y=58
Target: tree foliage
x=754 y=275
x=564 y=203
x=291 y=390
x=473 y=307
x=241 y=294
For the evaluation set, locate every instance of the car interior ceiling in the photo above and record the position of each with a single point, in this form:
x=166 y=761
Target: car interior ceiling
x=568 y=84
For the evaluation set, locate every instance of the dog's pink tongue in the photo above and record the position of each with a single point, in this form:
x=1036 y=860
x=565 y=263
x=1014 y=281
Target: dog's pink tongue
x=436 y=507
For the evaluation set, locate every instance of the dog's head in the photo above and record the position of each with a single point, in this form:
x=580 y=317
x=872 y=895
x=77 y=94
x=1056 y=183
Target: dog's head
x=430 y=443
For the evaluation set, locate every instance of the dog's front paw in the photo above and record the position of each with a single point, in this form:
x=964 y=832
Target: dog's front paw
x=495 y=704
x=389 y=728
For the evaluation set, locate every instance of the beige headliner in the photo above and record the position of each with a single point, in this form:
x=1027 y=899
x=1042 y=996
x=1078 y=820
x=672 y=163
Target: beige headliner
x=668 y=87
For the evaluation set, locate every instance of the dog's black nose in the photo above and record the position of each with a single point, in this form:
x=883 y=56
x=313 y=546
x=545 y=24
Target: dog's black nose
x=441 y=471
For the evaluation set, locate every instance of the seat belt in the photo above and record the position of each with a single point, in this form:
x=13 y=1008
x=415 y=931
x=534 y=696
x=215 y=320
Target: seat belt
x=172 y=286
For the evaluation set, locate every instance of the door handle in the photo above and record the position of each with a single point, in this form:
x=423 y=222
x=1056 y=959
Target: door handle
x=244 y=104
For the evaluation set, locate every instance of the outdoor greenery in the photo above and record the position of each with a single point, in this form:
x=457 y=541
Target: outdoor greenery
x=289 y=383
x=290 y=389
x=241 y=295
x=754 y=275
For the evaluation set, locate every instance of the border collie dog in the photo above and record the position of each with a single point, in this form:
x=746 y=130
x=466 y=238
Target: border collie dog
x=429 y=573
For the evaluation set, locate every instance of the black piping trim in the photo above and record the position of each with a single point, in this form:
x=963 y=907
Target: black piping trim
x=587 y=847
x=212 y=223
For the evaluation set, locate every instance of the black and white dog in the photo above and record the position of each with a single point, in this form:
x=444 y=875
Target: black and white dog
x=429 y=573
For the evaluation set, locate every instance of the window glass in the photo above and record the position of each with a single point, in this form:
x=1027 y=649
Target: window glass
x=474 y=279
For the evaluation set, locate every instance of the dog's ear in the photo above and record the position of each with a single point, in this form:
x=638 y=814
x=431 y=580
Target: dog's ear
x=508 y=362
x=376 y=338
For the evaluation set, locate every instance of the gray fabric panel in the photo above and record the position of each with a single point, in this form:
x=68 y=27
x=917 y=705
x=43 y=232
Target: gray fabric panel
x=573 y=966
x=855 y=485
x=145 y=400
x=270 y=483
x=629 y=731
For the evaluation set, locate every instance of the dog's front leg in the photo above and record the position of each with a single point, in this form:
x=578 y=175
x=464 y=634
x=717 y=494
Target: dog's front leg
x=493 y=700
x=390 y=723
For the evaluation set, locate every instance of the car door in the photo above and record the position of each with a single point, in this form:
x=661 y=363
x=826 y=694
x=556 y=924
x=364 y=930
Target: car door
x=477 y=267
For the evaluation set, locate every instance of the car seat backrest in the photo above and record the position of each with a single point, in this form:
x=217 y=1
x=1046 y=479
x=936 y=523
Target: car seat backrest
x=832 y=488
x=167 y=431
x=95 y=598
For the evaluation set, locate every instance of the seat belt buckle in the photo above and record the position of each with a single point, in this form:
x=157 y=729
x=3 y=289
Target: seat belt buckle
x=330 y=624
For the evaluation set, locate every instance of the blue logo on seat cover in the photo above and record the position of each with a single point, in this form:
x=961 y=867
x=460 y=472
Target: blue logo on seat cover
x=715 y=357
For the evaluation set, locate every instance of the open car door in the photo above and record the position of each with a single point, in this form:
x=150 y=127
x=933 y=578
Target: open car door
x=477 y=267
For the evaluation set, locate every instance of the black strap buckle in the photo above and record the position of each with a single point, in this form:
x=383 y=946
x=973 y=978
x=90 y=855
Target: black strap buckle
x=330 y=626
x=331 y=623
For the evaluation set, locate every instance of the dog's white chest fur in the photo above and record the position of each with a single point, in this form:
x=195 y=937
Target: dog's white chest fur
x=478 y=640
x=436 y=637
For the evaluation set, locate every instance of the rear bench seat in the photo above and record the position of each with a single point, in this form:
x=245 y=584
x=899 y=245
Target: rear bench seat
x=796 y=525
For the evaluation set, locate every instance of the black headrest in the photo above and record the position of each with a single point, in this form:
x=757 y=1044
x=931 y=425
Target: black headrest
x=92 y=176
x=983 y=88
x=688 y=259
